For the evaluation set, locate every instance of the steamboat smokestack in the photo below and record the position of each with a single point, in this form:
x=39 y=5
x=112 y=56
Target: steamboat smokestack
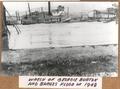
x=49 y=8
x=29 y=9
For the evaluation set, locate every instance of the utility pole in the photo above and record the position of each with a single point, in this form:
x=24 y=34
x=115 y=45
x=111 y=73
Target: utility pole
x=17 y=15
x=108 y=12
x=43 y=15
x=26 y=15
x=41 y=9
x=68 y=11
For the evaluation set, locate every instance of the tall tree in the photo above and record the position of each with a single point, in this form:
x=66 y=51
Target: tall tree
x=6 y=32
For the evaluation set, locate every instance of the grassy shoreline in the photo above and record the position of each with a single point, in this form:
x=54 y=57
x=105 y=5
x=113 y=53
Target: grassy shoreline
x=94 y=60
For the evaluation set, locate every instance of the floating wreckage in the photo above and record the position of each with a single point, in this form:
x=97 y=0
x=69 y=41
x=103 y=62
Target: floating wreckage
x=52 y=16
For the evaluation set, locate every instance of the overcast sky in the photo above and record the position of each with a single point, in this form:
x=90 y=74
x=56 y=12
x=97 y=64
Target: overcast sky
x=74 y=7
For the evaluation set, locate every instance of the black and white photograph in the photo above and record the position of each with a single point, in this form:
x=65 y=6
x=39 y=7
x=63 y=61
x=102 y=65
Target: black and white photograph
x=60 y=39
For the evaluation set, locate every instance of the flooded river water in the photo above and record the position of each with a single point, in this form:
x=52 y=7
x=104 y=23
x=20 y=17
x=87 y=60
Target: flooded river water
x=63 y=34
